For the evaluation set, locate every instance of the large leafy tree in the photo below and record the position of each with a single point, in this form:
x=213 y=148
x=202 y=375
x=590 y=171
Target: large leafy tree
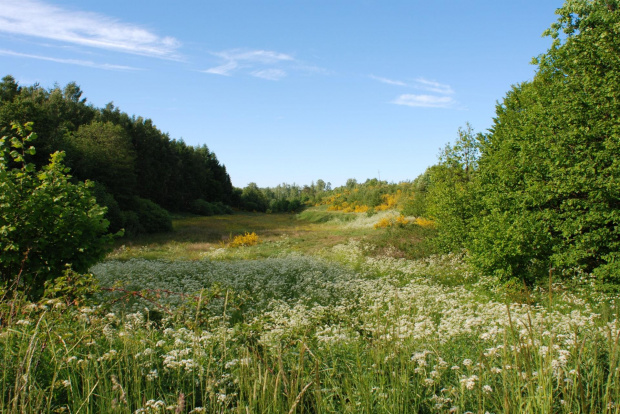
x=549 y=175
x=253 y=198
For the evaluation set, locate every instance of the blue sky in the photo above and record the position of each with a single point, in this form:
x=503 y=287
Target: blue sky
x=287 y=90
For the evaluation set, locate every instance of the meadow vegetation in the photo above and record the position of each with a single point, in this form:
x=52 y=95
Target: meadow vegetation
x=290 y=326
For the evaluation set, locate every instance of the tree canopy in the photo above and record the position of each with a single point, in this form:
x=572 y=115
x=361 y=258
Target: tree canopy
x=545 y=190
x=127 y=156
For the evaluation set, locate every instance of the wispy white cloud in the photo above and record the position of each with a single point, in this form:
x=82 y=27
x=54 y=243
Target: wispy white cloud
x=425 y=101
x=440 y=98
x=224 y=69
x=259 y=63
x=269 y=74
x=418 y=83
x=78 y=62
x=432 y=86
x=254 y=56
x=264 y=64
x=310 y=69
x=39 y=19
x=388 y=81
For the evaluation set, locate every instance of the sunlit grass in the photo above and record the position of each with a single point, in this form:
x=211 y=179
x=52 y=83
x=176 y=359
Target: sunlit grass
x=195 y=237
x=326 y=314
x=342 y=333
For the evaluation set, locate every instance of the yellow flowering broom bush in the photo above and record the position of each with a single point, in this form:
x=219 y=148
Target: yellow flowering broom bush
x=399 y=221
x=248 y=239
x=426 y=223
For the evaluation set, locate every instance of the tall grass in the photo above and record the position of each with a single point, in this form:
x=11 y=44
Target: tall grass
x=347 y=333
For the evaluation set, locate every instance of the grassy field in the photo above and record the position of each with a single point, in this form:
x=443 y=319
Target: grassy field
x=307 y=233
x=325 y=315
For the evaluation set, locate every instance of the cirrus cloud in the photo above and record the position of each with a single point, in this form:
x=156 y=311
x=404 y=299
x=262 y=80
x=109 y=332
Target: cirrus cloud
x=78 y=62
x=38 y=19
x=269 y=74
x=440 y=98
x=424 y=101
x=388 y=81
x=432 y=86
x=264 y=64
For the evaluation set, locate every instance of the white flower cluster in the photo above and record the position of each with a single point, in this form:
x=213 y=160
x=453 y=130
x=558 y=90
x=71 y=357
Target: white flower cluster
x=444 y=333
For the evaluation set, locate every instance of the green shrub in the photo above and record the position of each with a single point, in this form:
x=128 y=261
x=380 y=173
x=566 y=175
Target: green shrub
x=205 y=208
x=202 y=207
x=46 y=221
x=221 y=208
x=295 y=205
x=113 y=212
x=608 y=276
x=152 y=217
x=131 y=221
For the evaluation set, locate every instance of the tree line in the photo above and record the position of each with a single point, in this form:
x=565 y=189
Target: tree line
x=140 y=173
x=538 y=195
x=283 y=198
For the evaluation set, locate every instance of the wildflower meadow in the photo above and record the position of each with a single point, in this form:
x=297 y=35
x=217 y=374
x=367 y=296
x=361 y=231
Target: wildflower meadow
x=344 y=329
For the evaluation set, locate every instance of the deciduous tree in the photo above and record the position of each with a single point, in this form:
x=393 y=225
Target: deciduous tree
x=550 y=171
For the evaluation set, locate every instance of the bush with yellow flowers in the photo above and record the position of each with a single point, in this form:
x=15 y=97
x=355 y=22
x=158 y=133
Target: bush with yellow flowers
x=248 y=239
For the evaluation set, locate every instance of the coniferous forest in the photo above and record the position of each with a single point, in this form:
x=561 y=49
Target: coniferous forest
x=137 y=169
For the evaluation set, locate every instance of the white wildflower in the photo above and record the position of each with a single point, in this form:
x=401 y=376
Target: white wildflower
x=152 y=375
x=470 y=382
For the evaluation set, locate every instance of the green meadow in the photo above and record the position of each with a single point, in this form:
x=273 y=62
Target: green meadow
x=324 y=314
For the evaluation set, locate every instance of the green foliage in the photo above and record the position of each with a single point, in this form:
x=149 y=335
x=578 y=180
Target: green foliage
x=72 y=287
x=201 y=207
x=131 y=223
x=8 y=89
x=415 y=205
x=445 y=193
x=151 y=218
x=221 y=208
x=253 y=199
x=284 y=198
x=46 y=221
x=127 y=156
x=103 y=152
x=549 y=171
x=285 y=206
x=113 y=214
x=368 y=193
x=370 y=196
x=204 y=208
